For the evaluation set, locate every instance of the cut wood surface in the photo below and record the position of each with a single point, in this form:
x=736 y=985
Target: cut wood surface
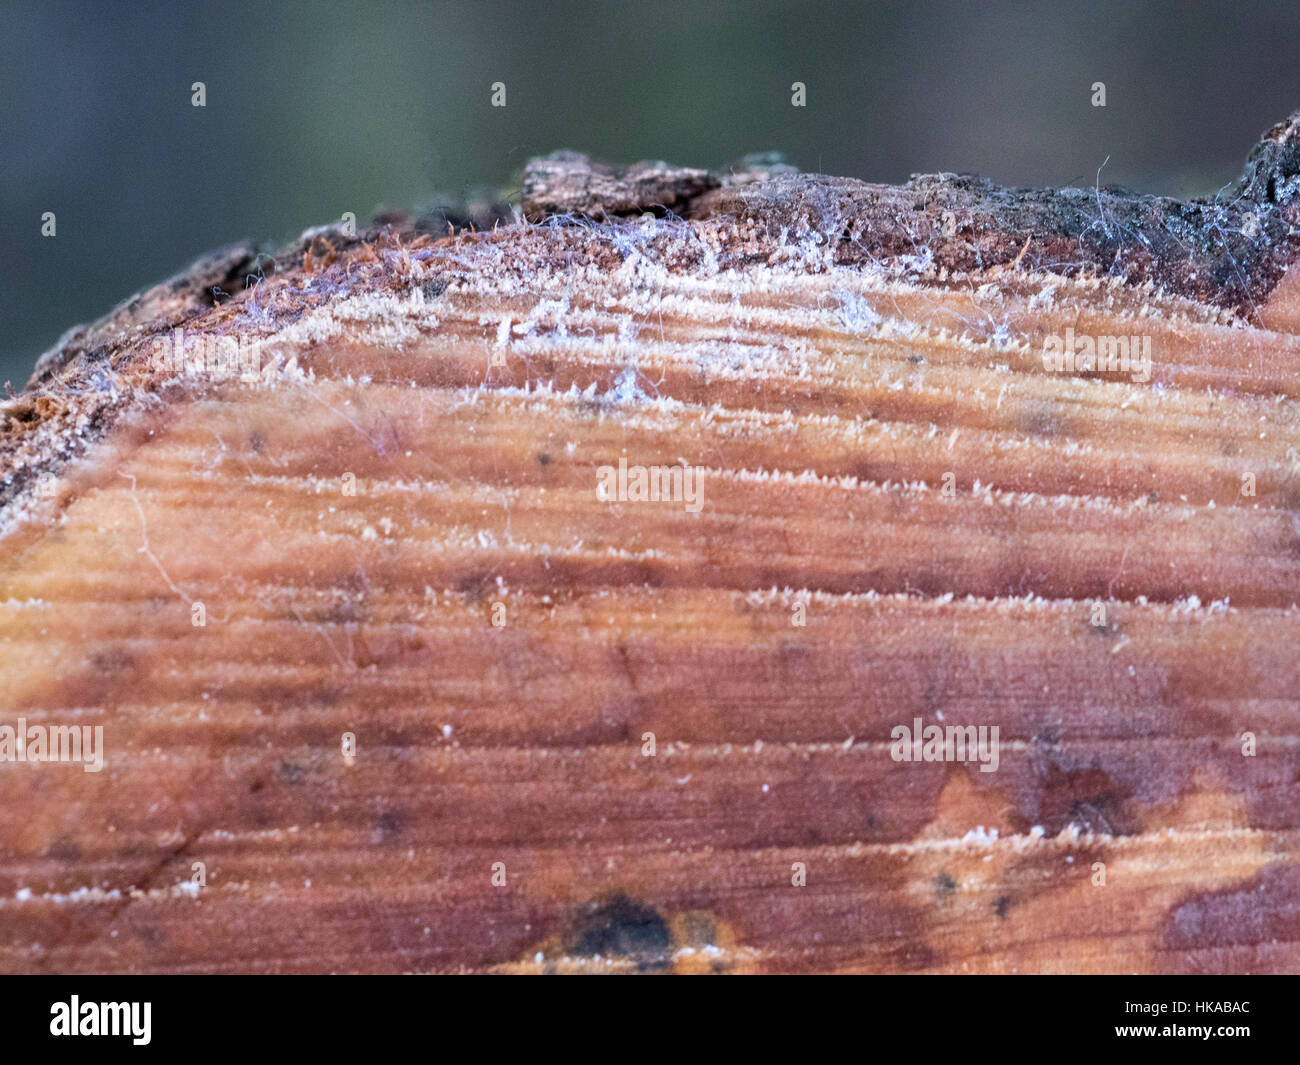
x=386 y=684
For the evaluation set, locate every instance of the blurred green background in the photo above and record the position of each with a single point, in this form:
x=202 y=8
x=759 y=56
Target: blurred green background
x=316 y=109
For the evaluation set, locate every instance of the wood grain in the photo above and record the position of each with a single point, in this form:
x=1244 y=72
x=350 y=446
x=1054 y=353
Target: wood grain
x=499 y=640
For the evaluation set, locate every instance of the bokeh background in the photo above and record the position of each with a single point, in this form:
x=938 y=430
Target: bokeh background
x=314 y=109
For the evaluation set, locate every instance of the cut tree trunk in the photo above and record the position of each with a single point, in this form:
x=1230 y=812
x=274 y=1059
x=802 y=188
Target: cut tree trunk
x=387 y=682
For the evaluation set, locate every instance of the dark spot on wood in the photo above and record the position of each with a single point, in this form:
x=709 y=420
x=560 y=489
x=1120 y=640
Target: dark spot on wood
x=1050 y=736
x=387 y=825
x=291 y=773
x=619 y=927
x=325 y=696
x=544 y=459
x=113 y=661
x=22 y=413
x=1000 y=905
x=699 y=930
x=1046 y=421
x=474 y=585
x=1262 y=910
x=794 y=657
x=944 y=886
x=64 y=849
x=1086 y=797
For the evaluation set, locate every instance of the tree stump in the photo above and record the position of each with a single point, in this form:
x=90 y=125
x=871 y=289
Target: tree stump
x=351 y=553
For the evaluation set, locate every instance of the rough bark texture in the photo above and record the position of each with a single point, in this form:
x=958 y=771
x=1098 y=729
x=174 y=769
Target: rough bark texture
x=967 y=538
